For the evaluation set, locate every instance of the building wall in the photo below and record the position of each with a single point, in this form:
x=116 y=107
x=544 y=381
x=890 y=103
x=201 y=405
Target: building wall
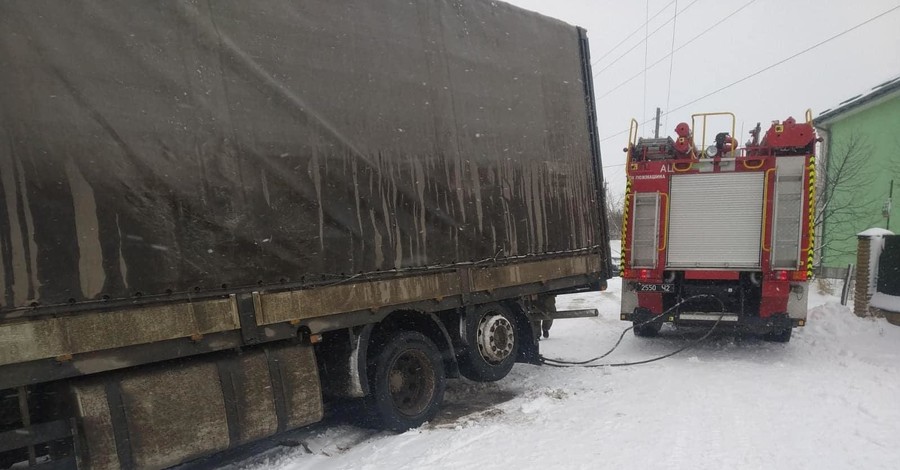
x=878 y=129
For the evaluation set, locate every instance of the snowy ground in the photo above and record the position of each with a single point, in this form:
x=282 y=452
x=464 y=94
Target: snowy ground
x=828 y=399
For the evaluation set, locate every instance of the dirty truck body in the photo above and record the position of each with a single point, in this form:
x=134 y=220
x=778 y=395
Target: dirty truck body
x=716 y=234
x=216 y=217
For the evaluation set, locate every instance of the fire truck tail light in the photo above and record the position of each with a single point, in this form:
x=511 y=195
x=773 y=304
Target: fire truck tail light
x=781 y=275
x=644 y=274
x=798 y=276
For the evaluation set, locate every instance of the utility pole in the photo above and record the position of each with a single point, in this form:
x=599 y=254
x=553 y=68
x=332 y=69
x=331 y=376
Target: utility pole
x=656 y=134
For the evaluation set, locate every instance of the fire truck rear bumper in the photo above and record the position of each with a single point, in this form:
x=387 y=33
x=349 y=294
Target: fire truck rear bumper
x=729 y=320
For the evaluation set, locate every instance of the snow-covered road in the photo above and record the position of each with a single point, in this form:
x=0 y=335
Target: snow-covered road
x=828 y=399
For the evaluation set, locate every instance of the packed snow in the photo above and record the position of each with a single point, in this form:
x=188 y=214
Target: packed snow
x=828 y=399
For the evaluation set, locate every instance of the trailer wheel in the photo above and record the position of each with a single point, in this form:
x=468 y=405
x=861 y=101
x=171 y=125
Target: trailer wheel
x=493 y=345
x=779 y=336
x=7 y=459
x=407 y=382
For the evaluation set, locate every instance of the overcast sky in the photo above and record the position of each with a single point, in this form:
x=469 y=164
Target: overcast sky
x=748 y=36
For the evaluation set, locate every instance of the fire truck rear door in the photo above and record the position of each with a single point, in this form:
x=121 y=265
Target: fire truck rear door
x=715 y=220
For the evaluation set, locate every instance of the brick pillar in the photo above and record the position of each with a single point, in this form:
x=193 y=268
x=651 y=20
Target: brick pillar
x=861 y=294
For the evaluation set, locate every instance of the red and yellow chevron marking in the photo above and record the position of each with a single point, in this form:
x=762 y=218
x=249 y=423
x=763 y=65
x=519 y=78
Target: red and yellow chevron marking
x=812 y=217
x=624 y=240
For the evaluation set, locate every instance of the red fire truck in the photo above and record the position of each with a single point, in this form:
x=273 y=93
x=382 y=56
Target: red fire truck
x=717 y=233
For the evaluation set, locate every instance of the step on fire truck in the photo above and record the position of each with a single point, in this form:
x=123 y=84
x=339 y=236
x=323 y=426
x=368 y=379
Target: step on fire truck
x=719 y=233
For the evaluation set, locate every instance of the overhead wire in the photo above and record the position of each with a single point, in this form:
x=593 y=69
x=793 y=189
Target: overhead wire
x=620 y=57
x=646 y=52
x=769 y=67
x=604 y=139
x=671 y=64
x=804 y=51
x=705 y=31
x=597 y=61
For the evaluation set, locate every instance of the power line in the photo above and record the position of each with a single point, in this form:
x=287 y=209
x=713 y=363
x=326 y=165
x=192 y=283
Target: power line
x=769 y=67
x=597 y=61
x=646 y=51
x=804 y=51
x=623 y=132
x=641 y=42
x=671 y=64
x=689 y=41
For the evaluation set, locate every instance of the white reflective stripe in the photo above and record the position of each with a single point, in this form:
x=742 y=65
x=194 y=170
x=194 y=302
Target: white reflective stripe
x=715 y=220
x=707 y=317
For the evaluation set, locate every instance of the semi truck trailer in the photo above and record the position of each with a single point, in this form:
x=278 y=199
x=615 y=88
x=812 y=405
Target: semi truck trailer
x=216 y=218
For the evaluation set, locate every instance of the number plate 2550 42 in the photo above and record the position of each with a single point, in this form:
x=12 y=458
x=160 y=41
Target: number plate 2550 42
x=655 y=288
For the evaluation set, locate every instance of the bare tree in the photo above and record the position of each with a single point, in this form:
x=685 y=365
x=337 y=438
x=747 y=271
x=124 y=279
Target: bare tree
x=844 y=201
x=614 y=212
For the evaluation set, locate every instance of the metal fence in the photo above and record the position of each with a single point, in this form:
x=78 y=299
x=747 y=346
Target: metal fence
x=845 y=274
x=829 y=272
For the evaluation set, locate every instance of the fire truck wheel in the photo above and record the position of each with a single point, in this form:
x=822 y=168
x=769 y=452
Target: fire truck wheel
x=649 y=330
x=780 y=336
x=408 y=382
x=493 y=345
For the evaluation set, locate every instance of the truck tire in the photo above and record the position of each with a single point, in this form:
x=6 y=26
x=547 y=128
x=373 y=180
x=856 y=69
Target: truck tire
x=492 y=344
x=407 y=381
x=649 y=330
x=7 y=459
x=779 y=336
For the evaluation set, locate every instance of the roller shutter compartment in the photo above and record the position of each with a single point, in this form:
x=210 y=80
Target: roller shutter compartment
x=715 y=220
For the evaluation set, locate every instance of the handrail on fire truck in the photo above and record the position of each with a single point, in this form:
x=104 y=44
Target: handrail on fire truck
x=676 y=166
x=703 y=132
x=632 y=141
x=633 y=132
x=762 y=241
x=754 y=166
x=665 y=219
x=809 y=117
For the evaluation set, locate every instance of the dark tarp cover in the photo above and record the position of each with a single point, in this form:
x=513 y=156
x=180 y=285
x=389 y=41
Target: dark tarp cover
x=182 y=145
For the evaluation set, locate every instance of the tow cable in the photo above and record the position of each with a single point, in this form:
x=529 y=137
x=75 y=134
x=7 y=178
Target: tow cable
x=588 y=363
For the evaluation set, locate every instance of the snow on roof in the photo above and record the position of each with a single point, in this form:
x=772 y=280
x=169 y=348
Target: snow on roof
x=874 y=232
x=878 y=91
